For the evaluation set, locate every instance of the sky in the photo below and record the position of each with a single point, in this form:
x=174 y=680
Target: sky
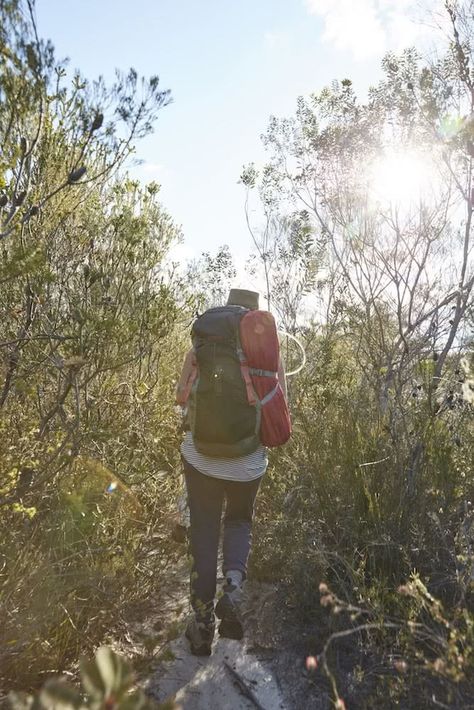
x=229 y=66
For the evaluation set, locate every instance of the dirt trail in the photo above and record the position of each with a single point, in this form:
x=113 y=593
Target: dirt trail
x=266 y=665
x=236 y=676
x=262 y=671
x=222 y=681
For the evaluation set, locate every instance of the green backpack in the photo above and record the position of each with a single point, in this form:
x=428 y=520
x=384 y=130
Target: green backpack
x=223 y=410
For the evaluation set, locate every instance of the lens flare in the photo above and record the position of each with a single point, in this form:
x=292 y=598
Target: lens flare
x=401 y=178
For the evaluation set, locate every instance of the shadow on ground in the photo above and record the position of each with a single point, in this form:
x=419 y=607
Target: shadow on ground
x=223 y=680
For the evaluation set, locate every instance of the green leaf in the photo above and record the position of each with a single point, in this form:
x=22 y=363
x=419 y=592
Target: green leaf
x=91 y=678
x=115 y=673
x=107 y=667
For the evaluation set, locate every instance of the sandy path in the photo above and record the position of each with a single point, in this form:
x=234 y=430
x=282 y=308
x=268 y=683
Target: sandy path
x=207 y=684
x=235 y=669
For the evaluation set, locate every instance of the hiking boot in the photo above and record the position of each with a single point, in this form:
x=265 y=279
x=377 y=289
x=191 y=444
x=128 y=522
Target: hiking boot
x=200 y=636
x=228 y=610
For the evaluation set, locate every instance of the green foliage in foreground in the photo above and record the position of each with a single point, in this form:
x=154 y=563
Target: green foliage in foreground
x=106 y=682
x=324 y=515
x=90 y=325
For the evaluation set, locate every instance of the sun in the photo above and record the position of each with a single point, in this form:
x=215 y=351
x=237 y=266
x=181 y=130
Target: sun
x=400 y=178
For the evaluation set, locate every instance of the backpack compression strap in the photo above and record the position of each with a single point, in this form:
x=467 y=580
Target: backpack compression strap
x=270 y=395
x=265 y=373
x=262 y=373
x=245 y=370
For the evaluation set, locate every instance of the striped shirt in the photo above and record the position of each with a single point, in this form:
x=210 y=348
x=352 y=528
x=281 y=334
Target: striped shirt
x=242 y=468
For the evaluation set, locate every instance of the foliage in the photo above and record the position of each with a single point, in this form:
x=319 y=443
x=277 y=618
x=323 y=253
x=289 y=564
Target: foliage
x=377 y=482
x=421 y=646
x=372 y=496
x=291 y=263
x=331 y=510
x=53 y=135
x=106 y=682
x=89 y=317
x=209 y=278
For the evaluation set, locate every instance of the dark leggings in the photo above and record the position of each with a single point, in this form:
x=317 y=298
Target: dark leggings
x=205 y=498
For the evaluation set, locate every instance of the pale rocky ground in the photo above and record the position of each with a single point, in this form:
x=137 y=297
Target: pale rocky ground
x=257 y=672
x=206 y=683
x=274 y=677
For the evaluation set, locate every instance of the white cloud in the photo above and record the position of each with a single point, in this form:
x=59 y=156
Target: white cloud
x=367 y=28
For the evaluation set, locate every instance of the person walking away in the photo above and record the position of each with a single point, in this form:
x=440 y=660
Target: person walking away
x=223 y=456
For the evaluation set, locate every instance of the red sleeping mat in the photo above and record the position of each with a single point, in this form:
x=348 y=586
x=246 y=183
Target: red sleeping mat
x=259 y=340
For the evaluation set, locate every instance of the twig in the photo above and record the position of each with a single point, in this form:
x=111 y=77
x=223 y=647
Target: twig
x=374 y=463
x=343 y=634
x=243 y=687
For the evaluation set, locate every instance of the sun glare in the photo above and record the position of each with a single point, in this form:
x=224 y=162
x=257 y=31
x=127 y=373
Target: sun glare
x=401 y=178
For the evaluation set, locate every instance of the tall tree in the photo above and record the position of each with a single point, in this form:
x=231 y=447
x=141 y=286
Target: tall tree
x=399 y=264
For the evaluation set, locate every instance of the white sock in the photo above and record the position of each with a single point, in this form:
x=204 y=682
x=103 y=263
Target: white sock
x=234 y=577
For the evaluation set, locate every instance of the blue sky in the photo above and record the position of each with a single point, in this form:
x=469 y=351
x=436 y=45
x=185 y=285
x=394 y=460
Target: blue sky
x=229 y=65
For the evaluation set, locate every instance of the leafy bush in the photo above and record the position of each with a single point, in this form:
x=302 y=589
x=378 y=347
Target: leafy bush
x=106 y=683
x=333 y=509
x=90 y=338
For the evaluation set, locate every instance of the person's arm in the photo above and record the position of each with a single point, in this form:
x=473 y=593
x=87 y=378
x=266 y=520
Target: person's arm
x=185 y=375
x=282 y=377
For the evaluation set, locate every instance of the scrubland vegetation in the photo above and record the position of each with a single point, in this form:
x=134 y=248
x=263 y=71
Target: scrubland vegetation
x=365 y=247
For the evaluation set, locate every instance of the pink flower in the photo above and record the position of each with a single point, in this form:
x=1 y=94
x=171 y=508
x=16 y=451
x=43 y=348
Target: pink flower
x=327 y=600
x=400 y=665
x=311 y=663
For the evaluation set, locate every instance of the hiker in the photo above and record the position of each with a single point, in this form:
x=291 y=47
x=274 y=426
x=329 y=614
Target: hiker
x=222 y=452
